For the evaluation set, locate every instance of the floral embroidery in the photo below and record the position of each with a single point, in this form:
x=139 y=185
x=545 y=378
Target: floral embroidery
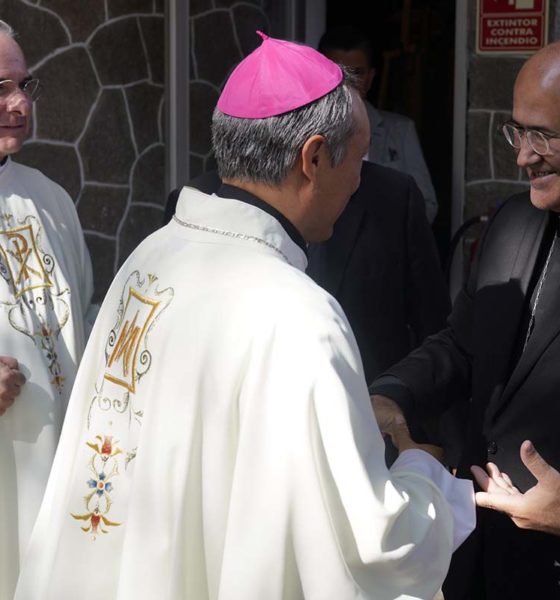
x=104 y=467
x=114 y=404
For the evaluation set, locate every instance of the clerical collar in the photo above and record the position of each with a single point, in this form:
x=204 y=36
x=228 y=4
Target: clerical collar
x=230 y=191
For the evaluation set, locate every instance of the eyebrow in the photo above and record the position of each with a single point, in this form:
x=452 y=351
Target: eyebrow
x=534 y=127
x=24 y=80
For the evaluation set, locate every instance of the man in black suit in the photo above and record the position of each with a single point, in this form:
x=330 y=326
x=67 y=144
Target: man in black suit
x=501 y=350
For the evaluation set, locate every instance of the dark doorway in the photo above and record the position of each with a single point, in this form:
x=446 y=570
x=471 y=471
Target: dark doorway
x=414 y=45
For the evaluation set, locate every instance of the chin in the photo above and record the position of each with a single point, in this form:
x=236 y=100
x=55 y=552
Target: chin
x=11 y=147
x=545 y=201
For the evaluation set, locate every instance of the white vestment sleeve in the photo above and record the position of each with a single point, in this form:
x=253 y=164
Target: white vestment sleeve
x=403 y=523
x=459 y=493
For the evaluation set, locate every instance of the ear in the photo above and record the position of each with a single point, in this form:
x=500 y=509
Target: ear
x=312 y=155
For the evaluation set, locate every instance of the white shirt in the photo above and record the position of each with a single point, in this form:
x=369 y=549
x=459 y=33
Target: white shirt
x=220 y=442
x=394 y=143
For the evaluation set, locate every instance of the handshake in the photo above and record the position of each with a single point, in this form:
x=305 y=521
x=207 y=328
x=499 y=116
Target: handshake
x=538 y=508
x=391 y=422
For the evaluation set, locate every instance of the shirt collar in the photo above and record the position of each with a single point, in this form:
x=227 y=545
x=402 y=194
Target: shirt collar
x=230 y=191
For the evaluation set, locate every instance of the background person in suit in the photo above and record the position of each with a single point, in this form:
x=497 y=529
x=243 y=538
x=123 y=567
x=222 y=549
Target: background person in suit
x=501 y=349
x=394 y=141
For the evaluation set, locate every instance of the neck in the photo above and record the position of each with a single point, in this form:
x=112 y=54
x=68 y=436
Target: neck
x=285 y=199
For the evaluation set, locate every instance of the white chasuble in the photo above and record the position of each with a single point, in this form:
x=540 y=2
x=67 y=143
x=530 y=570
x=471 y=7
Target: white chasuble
x=45 y=289
x=220 y=443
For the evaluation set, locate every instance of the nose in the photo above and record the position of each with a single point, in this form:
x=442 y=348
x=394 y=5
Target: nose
x=18 y=102
x=526 y=156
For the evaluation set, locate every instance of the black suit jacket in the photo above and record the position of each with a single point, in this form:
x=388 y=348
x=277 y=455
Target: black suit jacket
x=473 y=360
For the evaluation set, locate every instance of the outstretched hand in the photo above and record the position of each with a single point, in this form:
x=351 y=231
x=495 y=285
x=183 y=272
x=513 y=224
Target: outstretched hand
x=538 y=508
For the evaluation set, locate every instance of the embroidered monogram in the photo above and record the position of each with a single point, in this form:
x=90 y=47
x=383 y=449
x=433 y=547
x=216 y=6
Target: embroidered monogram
x=122 y=367
x=34 y=307
x=114 y=404
x=22 y=262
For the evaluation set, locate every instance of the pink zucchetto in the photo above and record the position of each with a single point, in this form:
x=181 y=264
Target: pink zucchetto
x=276 y=78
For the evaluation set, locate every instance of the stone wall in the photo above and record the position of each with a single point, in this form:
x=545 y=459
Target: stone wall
x=491 y=172
x=222 y=33
x=98 y=125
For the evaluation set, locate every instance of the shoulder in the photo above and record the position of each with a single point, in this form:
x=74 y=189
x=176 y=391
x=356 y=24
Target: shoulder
x=385 y=187
x=292 y=296
x=305 y=312
x=516 y=209
x=373 y=174
x=515 y=224
x=36 y=177
x=520 y=202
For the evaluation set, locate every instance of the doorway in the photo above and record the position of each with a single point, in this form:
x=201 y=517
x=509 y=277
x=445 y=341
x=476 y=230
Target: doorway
x=414 y=43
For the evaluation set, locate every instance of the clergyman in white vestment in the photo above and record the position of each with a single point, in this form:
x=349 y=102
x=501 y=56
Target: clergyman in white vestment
x=220 y=443
x=45 y=289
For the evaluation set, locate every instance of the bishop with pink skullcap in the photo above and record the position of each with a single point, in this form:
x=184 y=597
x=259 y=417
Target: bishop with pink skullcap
x=277 y=77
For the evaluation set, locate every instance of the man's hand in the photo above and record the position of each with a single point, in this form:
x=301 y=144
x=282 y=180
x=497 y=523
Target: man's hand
x=385 y=411
x=11 y=380
x=538 y=508
x=400 y=437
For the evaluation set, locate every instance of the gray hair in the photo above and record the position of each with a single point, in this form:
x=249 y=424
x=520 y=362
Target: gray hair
x=265 y=150
x=7 y=29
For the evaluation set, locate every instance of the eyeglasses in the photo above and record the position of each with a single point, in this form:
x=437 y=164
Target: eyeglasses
x=538 y=140
x=30 y=87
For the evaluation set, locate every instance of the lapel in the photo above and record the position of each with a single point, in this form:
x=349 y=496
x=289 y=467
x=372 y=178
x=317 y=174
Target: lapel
x=328 y=260
x=521 y=276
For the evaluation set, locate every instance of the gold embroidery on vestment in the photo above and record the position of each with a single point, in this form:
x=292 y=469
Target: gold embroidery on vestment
x=22 y=260
x=33 y=307
x=129 y=339
x=127 y=360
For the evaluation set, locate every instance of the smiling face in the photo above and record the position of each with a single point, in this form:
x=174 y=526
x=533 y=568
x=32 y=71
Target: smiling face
x=536 y=104
x=15 y=110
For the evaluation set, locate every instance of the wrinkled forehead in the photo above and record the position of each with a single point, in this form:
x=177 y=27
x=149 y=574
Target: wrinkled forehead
x=12 y=61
